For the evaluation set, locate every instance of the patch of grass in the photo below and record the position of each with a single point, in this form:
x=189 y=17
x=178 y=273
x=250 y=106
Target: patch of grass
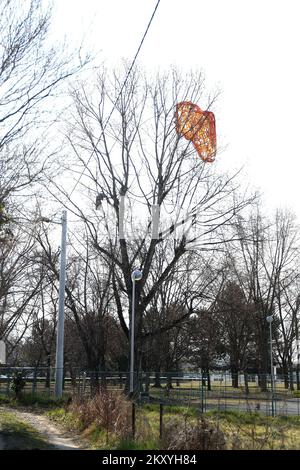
x=94 y=434
x=38 y=399
x=257 y=431
x=242 y=430
x=18 y=435
x=66 y=418
x=97 y=436
x=170 y=409
x=130 y=444
x=4 y=400
x=100 y=437
x=243 y=417
x=41 y=400
x=239 y=417
x=291 y=420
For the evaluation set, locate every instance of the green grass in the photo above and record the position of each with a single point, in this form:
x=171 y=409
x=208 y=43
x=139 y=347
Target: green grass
x=130 y=444
x=4 y=400
x=98 y=437
x=28 y=399
x=243 y=417
x=191 y=411
x=67 y=419
x=18 y=435
x=255 y=430
x=236 y=417
x=190 y=389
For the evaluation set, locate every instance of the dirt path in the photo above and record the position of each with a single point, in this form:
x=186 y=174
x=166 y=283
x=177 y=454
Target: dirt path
x=57 y=438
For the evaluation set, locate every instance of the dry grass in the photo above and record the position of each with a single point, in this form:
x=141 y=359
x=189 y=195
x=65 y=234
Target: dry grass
x=200 y=435
x=106 y=421
x=108 y=410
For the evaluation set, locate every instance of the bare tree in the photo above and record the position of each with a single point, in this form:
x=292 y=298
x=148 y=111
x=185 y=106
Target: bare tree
x=88 y=298
x=263 y=263
x=123 y=137
x=206 y=347
x=31 y=72
x=287 y=294
x=234 y=317
x=19 y=287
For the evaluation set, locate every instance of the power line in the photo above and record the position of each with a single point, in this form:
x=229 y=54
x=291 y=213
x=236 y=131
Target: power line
x=118 y=97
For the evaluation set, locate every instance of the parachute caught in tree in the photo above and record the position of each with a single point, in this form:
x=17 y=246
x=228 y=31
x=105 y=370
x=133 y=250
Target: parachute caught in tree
x=199 y=127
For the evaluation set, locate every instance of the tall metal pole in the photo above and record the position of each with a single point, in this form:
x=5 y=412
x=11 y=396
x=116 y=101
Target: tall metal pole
x=269 y=320
x=59 y=364
x=132 y=336
x=297 y=342
x=298 y=354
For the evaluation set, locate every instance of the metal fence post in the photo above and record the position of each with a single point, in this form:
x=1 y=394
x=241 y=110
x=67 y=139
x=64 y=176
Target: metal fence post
x=34 y=380
x=8 y=383
x=202 y=396
x=161 y=411
x=133 y=420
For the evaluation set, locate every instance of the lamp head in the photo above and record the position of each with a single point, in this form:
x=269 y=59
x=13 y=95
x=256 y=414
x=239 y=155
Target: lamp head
x=43 y=219
x=269 y=318
x=136 y=275
x=99 y=198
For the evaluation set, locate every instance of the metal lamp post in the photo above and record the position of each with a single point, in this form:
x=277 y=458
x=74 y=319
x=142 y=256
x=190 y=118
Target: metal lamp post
x=269 y=320
x=135 y=276
x=59 y=360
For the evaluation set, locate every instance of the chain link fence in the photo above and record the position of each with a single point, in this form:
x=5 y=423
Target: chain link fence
x=219 y=390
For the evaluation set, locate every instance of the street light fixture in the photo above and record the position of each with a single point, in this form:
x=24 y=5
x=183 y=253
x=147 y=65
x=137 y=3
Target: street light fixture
x=135 y=276
x=270 y=320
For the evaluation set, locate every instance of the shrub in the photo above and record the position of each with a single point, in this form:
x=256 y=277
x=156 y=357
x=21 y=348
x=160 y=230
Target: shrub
x=18 y=383
x=109 y=410
x=203 y=435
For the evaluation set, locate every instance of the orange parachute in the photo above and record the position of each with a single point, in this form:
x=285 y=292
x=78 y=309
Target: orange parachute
x=199 y=127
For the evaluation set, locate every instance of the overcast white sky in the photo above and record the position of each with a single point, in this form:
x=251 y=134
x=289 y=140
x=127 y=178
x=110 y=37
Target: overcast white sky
x=248 y=49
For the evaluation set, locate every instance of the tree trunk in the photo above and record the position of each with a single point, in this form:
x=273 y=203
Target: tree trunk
x=234 y=377
x=157 y=382
x=298 y=376
x=177 y=375
x=262 y=381
x=169 y=380
x=147 y=382
x=48 y=373
x=206 y=382
x=285 y=375
x=73 y=377
x=264 y=369
x=103 y=372
x=291 y=375
x=246 y=383
x=93 y=366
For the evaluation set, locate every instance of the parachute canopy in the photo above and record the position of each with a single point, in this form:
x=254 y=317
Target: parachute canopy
x=199 y=127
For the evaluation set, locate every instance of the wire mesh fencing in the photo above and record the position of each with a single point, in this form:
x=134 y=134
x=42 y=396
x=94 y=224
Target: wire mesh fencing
x=217 y=390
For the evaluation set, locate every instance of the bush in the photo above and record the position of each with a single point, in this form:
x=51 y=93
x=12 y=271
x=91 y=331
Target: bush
x=18 y=383
x=203 y=435
x=109 y=410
